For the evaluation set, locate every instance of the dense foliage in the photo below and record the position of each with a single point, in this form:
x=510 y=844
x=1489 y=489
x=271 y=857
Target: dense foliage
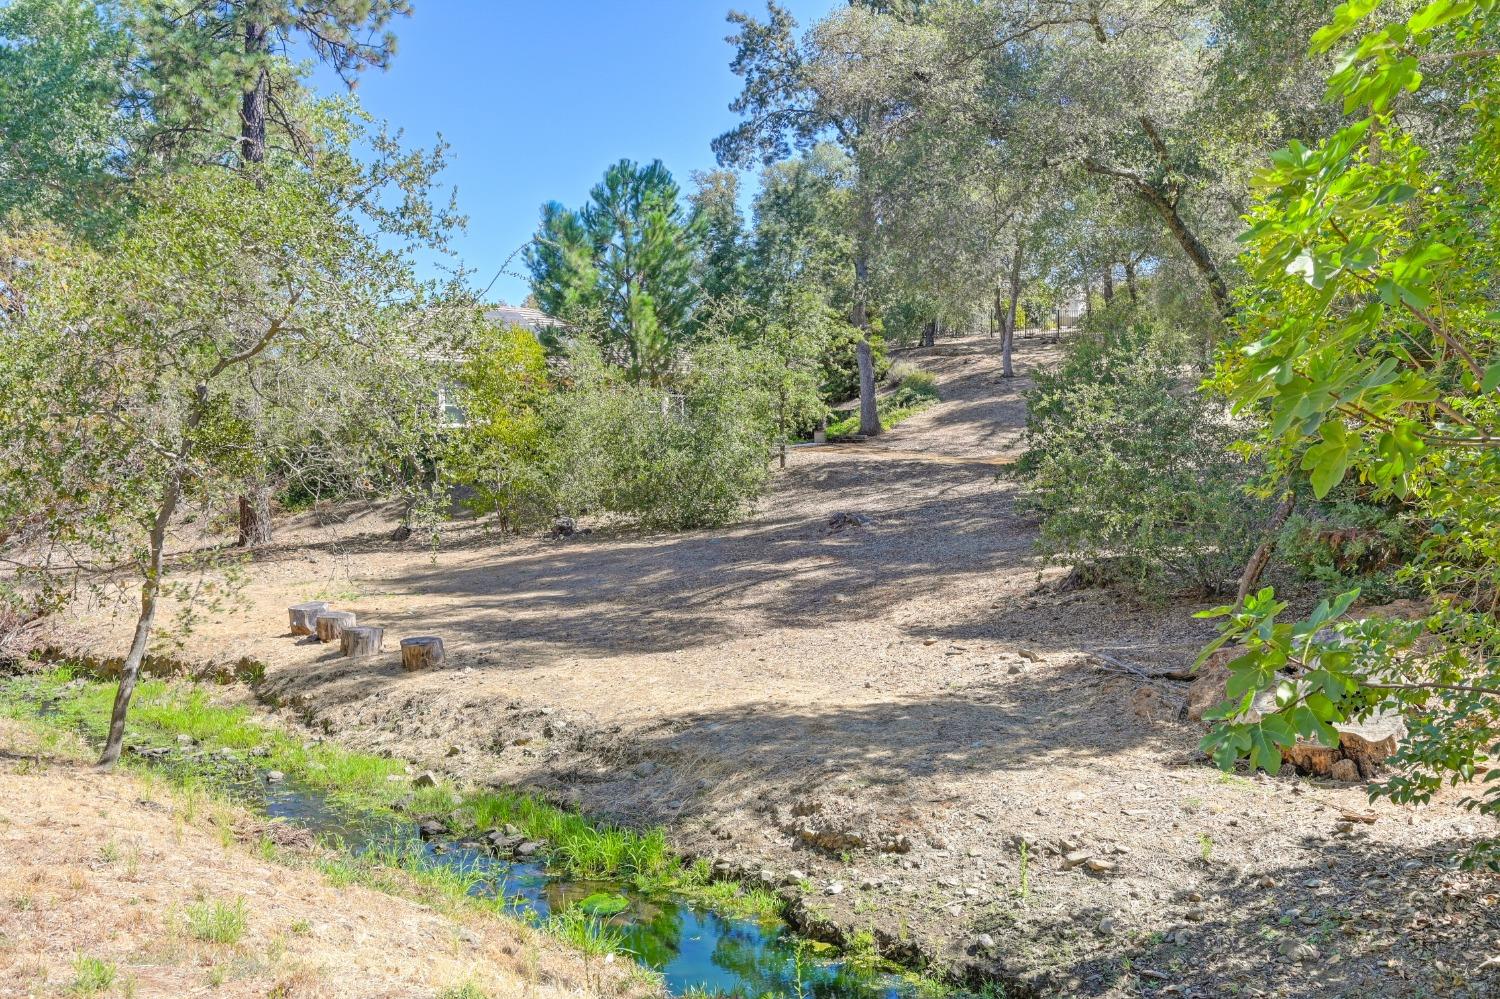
x=1371 y=350
x=1130 y=468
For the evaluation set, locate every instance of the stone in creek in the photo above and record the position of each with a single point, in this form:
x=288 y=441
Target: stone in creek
x=275 y=776
x=528 y=847
x=431 y=828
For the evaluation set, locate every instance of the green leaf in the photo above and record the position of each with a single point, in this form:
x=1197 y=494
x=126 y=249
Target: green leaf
x=1491 y=379
x=1328 y=461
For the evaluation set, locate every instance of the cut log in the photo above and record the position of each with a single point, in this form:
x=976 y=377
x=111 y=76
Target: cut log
x=331 y=624
x=422 y=652
x=1361 y=752
x=357 y=643
x=304 y=616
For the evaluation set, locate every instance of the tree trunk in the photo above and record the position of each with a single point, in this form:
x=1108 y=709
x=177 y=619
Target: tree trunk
x=1130 y=280
x=255 y=517
x=1262 y=553
x=1008 y=327
x=929 y=334
x=859 y=317
x=1191 y=245
x=130 y=670
x=869 y=414
x=1109 y=283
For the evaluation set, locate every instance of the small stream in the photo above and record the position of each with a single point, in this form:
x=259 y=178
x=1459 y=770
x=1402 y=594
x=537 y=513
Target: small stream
x=695 y=949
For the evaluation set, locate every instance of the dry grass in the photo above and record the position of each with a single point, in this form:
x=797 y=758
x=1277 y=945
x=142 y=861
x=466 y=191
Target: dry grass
x=111 y=886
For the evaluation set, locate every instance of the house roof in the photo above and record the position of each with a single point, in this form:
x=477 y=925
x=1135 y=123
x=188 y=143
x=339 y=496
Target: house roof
x=534 y=320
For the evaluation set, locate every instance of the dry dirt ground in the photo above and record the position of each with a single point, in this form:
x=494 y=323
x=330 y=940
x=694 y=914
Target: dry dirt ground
x=882 y=714
x=112 y=869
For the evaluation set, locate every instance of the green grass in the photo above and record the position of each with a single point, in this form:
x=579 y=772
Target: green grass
x=91 y=976
x=214 y=921
x=586 y=933
x=579 y=849
x=468 y=990
x=915 y=390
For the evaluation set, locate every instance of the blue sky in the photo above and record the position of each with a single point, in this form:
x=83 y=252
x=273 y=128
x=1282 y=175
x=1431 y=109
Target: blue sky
x=537 y=98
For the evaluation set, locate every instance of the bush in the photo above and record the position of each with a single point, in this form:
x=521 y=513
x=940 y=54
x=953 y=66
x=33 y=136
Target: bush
x=504 y=450
x=840 y=362
x=1131 y=468
x=1348 y=542
x=693 y=455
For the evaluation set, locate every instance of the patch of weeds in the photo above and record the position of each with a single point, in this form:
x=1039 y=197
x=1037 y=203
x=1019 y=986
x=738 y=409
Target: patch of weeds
x=468 y=990
x=214 y=921
x=861 y=952
x=1205 y=846
x=300 y=927
x=91 y=976
x=109 y=852
x=588 y=934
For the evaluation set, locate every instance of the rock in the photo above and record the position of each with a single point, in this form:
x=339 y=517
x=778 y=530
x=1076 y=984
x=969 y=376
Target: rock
x=834 y=888
x=1100 y=866
x=275 y=776
x=1075 y=858
x=564 y=527
x=1297 y=950
x=985 y=944
x=185 y=740
x=846 y=519
x=528 y=847
x=1028 y=655
x=1266 y=881
x=1196 y=914
x=426 y=779
x=431 y=828
x=1107 y=926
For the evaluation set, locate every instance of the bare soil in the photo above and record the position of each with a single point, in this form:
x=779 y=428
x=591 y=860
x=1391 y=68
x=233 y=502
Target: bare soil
x=109 y=868
x=881 y=715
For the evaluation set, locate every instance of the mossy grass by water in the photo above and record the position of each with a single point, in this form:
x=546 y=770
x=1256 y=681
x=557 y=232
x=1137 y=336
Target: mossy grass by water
x=161 y=712
x=213 y=755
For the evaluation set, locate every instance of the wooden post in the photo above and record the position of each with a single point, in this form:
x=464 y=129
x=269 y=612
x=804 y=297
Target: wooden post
x=331 y=624
x=421 y=652
x=356 y=643
x=305 y=615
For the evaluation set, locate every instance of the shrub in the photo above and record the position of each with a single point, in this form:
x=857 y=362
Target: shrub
x=1130 y=467
x=691 y=455
x=840 y=362
x=503 y=451
x=1351 y=541
x=217 y=922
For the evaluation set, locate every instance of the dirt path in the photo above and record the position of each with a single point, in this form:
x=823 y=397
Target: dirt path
x=887 y=710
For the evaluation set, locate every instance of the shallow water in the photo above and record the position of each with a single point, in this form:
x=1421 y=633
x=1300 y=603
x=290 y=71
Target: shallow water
x=694 y=948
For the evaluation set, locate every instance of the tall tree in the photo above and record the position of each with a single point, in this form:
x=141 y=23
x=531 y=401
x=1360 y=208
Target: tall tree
x=140 y=356
x=66 y=123
x=225 y=89
x=798 y=91
x=621 y=267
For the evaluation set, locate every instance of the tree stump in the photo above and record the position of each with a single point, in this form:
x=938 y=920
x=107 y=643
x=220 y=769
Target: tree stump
x=1361 y=751
x=331 y=624
x=356 y=643
x=422 y=652
x=304 y=616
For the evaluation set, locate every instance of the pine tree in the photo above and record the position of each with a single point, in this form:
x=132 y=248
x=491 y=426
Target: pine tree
x=621 y=267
